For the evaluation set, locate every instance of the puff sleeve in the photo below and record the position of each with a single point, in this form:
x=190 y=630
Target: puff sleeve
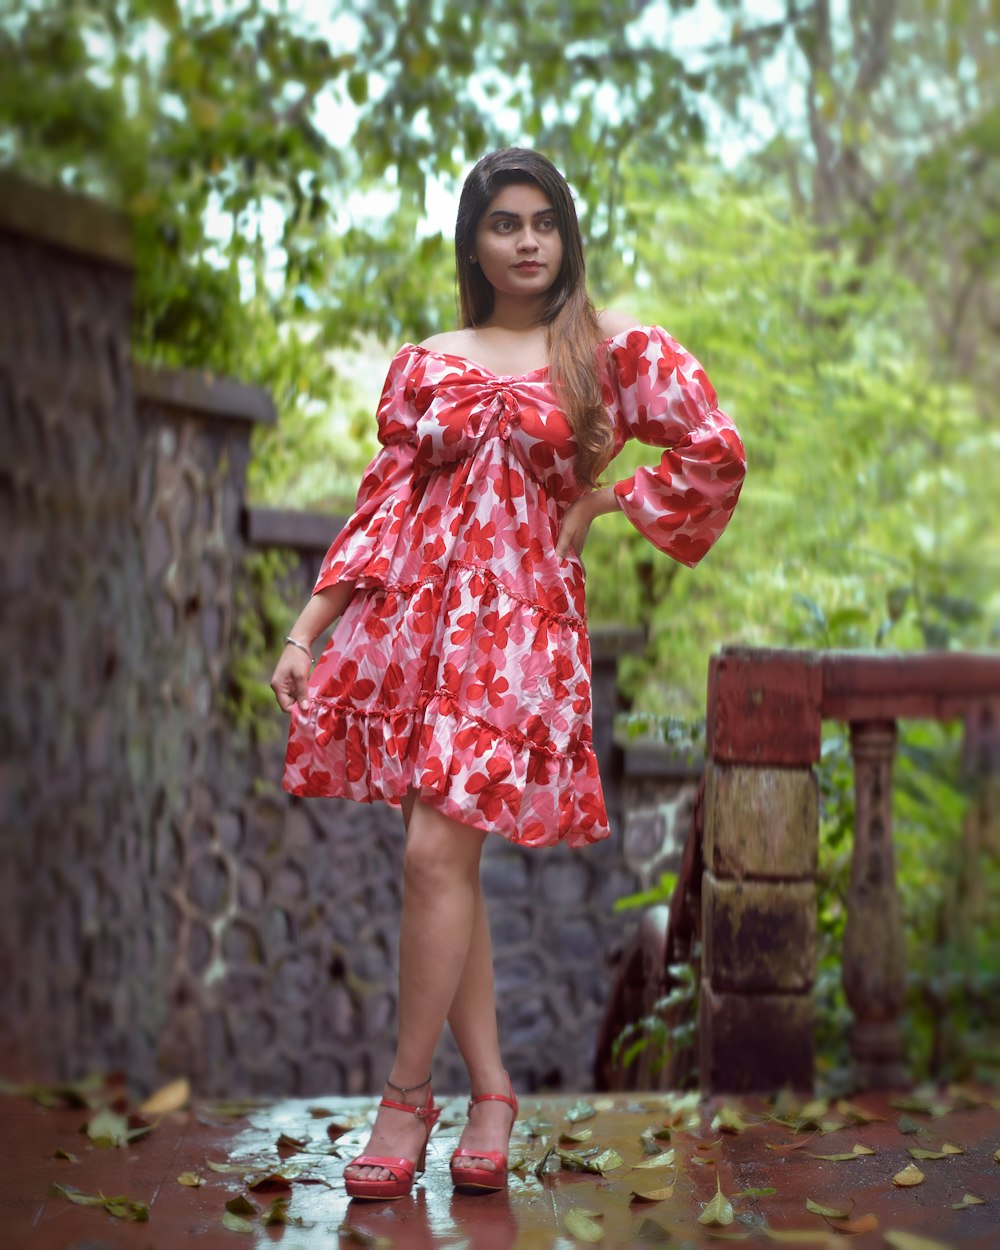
x=362 y=548
x=659 y=394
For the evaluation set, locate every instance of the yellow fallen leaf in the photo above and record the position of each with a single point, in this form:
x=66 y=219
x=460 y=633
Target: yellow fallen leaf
x=996 y=1156
x=719 y=1210
x=728 y=1120
x=863 y=1224
x=970 y=1200
x=910 y=1241
x=191 y=1179
x=654 y=1195
x=910 y=1175
x=168 y=1098
x=581 y=1225
x=604 y=1104
x=584 y=1135
x=831 y=1213
x=664 y=1159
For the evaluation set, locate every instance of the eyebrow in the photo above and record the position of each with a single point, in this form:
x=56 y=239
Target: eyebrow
x=506 y=212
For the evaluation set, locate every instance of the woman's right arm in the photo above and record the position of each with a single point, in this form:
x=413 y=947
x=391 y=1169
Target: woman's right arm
x=290 y=678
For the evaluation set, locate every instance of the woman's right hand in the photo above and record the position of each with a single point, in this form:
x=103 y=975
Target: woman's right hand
x=290 y=680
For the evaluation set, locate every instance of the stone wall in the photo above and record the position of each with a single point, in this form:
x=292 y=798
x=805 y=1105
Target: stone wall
x=166 y=907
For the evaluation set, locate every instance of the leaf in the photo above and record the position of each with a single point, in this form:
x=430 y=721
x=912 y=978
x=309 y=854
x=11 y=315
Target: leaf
x=766 y=1192
x=107 y=1129
x=191 y=1179
x=996 y=1156
x=665 y=1159
x=654 y=1195
x=719 y=1210
x=649 y=1230
x=830 y=1213
x=906 y=1125
x=728 y=1120
x=918 y=1152
x=970 y=1200
x=287 y=1142
x=580 y=1224
x=228 y=1169
x=355 y=1237
x=60 y=1153
x=910 y=1241
x=910 y=1175
x=584 y=1135
x=580 y=1111
x=171 y=1097
x=241 y=1205
x=863 y=1224
x=236 y=1223
x=789 y=1145
x=608 y=1161
x=120 y=1207
x=537 y=1126
x=857 y=1114
x=856 y=1151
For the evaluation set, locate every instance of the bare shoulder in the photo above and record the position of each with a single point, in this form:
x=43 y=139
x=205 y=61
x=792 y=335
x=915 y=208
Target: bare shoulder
x=449 y=341
x=612 y=321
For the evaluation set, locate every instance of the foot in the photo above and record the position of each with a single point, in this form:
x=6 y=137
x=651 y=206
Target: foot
x=395 y=1134
x=489 y=1128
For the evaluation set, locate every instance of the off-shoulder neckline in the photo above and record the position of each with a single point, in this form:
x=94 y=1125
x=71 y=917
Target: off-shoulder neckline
x=507 y=377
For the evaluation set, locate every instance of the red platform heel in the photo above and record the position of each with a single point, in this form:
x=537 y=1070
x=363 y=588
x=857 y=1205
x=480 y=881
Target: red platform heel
x=403 y=1170
x=478 y=1179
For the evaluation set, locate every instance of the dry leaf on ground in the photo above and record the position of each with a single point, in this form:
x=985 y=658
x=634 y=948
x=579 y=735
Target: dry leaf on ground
x=582 y=1225
x=169 y=1097
x=900 y=1240
x=911 y=1175
x=970 y=1200
x=863 y=1224
x=719 y=1210
x=831 y=1213
x=654 y=1195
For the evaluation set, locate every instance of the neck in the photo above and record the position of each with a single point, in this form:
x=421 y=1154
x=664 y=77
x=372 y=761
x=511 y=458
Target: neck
x=511 y=313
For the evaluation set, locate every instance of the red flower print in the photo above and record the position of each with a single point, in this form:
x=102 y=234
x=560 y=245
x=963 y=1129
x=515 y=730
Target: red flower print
x=466 y=624
x=490 y=685
x=478 y=537
x=630 y=361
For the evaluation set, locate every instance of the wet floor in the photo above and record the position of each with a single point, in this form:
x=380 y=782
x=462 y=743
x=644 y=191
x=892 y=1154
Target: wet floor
x=756 y=1162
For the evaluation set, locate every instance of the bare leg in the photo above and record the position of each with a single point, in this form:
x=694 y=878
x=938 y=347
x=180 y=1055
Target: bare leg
x=440 y=881
x=473 y=1021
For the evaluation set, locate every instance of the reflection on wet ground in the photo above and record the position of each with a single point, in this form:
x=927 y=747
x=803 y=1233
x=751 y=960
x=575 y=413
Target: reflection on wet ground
x=762 y=1168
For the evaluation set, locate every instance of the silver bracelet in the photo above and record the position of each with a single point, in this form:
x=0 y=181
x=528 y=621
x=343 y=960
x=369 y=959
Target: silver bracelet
x=301 y=646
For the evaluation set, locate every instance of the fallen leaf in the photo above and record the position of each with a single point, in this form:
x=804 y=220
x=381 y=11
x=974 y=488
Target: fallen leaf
x=287 y=1142
x=580 y=1110
x=59 y=1153
x=241 y=1205
x=860 y=1149
x=120 y=1207
x=856 y=1151
x=236 y=1223
x=910 y=1175
x=649 y=1230
x=654 y=1195
x=996 y=1156
x=107 y=1129
x=581 y=1225
x=355 y=1237
x=728 y=1120
x=918 y=1152
x=907 y=1125
x=169 y=1097
x=857 y=1114
x=537 y=1126
x=831 y=1213
x=924 y=1105
x=970 y=1200
x=608 y=1161
x=851 y=1228
x=719 y=1210
x=666 y=1158
x=766 y=1192
x=790 y=1145
x=228 y=1169
x=604 y=1104
x=584 y=1135
x=191 y=1179
x=910 y=1241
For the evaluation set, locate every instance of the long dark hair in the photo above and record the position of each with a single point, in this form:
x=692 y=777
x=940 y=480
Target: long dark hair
x=574 y=336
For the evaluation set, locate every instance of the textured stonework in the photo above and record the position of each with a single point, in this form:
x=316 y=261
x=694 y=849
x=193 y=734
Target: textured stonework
x=759 y=935
x=755 y=1042
x=761 y=822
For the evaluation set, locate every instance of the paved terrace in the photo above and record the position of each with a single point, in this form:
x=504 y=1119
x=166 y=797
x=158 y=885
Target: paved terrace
x=763 y=1157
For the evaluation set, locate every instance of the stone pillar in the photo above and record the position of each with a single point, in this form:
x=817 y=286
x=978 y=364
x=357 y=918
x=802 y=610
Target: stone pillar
x=874 y=959
x=758 y=887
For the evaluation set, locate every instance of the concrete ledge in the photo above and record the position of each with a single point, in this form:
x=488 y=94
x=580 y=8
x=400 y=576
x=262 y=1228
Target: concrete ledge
x=761 y=822
x=286 y=527
x=66 y=219
x=759 y=936
x=197 y=391
x=754 y=1043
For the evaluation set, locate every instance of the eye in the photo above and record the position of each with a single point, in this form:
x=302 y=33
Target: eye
x=548 y=223
x=502 y=226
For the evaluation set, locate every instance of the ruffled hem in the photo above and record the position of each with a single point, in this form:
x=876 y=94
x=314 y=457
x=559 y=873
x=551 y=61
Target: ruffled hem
x=530 y=793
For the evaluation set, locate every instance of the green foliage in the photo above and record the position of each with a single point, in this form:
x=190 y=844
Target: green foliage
x=670 y=1026
x=951 y=1022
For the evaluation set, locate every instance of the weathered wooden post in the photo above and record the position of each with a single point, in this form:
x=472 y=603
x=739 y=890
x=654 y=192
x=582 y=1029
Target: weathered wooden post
x=874 y=957
x=758 y=888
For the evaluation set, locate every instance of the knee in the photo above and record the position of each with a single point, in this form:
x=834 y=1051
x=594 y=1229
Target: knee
x=440 y=853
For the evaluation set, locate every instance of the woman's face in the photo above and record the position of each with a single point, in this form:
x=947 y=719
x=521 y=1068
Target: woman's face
x=517 y=242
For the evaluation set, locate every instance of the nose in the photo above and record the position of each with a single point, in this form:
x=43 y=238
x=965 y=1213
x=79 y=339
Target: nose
x=526 y=241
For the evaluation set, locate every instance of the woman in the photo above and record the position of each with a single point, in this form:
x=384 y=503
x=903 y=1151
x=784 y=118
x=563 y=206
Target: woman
x=456 y=685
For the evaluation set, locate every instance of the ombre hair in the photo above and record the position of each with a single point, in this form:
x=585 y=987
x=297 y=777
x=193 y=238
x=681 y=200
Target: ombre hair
x=575 y=341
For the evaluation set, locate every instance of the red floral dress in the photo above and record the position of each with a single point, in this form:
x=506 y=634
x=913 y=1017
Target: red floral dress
x=461 y=665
